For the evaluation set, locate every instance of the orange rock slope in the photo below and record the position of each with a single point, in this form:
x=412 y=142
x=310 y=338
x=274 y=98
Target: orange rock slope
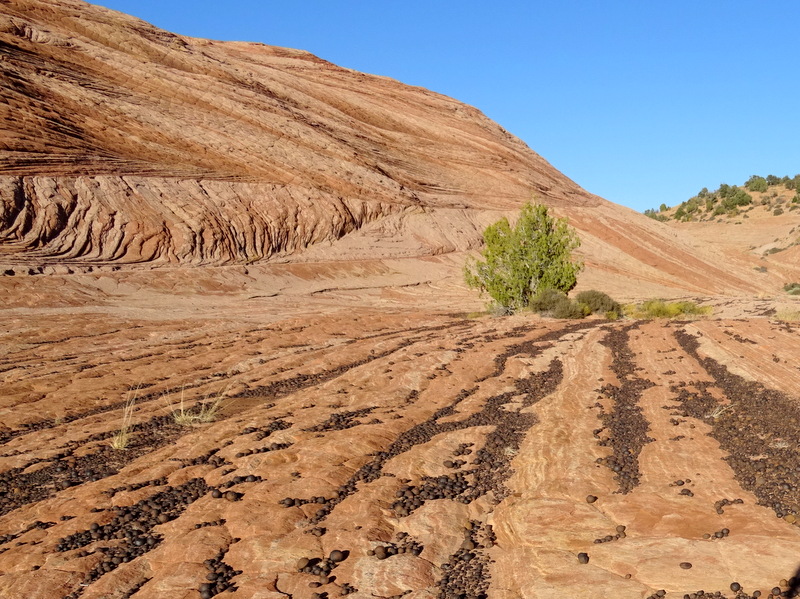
x=124 y=144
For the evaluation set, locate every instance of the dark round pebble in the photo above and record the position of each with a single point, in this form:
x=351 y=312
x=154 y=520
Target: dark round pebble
x=583 y=558
x=735 y=586
x=591 y=498
x=337 y=556
x=686 y=565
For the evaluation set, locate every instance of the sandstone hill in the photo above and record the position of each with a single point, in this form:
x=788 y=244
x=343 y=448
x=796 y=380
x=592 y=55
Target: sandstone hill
x=124 y=144
x=238 y=359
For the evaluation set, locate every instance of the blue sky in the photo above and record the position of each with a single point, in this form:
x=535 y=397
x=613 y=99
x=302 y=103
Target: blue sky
x=642 y=102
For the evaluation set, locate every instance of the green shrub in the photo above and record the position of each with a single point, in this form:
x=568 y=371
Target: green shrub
x=568 y=308
x=655 y=215
x=598 y=302
x=792 y=288
x=546 y=300
x=737 y=197
x=756 y=183
x=658 y=308
x=535 y=254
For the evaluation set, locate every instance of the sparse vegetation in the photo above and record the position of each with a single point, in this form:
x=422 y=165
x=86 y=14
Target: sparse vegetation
x=551 y=302
x=600 y=303
x=788 y=315
x=570 y=308
x=657 y=308
x=792 y=288
x=534 y=255
x=202 y=412
x=730 y=200
x=757 y=183
x=121 y=438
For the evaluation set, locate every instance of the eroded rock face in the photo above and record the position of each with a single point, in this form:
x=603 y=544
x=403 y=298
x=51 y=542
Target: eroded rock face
x=132 y=144
x=109 y=219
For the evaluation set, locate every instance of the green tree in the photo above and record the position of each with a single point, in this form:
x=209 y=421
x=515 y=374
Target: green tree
x=534 y=255
x=756 y=183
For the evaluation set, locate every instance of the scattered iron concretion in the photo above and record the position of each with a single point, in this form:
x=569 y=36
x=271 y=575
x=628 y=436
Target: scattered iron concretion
x=219 y=577
x=625 y=423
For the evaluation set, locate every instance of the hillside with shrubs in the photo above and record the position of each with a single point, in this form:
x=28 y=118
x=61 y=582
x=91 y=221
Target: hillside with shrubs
x=777 y=195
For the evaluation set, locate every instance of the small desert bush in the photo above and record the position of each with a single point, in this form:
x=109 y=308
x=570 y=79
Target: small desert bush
x=657 y=308
x=568 y=308
x=551 y=302
x=792 y=288
x=599 y=302
x=546 y=300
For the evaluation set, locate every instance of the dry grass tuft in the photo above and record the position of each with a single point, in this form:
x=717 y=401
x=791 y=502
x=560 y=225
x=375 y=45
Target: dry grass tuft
x=788 y=315
x=122 y=438
x=201 y=413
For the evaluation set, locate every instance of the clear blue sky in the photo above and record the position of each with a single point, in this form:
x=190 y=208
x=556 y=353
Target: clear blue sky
x=638 y=101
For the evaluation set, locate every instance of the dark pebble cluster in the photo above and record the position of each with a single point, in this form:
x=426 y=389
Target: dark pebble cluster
x=321 y=567
x=466 y=574
x=131 y=529
x=463 y=449
x=229 y=495
x=619 y=534
x=492 y=460
x=297 y=502
x=720 y=534
x=625 y=425
x=219 y=577
x=158 y=482
x=719 y=505
x=219 y=522
x=403 y=543
x=412 y=497
x=262 y=432
x=786 y=588
x=19 y=488
x=210 y=458
x=265 y=449
x=760 y=431
x=340 y=421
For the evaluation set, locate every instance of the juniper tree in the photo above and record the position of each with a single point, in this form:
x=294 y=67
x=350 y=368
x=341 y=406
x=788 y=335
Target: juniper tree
x=519 y=261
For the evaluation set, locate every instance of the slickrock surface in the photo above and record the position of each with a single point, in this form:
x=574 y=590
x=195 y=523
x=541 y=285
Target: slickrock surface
x=440 y=456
